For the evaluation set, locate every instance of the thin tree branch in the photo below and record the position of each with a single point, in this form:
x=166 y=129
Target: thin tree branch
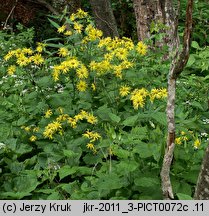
x=10 y=13
x=46 y=5
x=178 y=63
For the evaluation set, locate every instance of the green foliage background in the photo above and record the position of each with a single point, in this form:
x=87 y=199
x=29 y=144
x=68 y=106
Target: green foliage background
x=129 y=155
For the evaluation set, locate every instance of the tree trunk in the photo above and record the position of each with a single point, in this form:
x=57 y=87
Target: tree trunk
x=202 y=188
x=104 y=17
x=147 y=11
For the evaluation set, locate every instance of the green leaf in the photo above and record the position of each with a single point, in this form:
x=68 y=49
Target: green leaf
x=195 y=45
x=160 y=117
x=114 y=117
x=130 y=121
x=66 y=171
x=147 y=182
x=191 y=60
x=182 y=196
x=54 y=23
x=143 y=149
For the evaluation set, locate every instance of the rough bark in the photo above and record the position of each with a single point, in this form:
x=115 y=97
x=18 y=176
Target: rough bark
x=147 y=11
x=178 y=63
x=104 y=17
x=202 y=188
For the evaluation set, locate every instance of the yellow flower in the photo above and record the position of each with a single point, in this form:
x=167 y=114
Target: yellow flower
x=78 y=27
x=35 y=129
x=157 y=93
x=61 y=29
x=93 y=86
x=91 y=119
x=81 y=86
x=68 y=33
x=37 y=59
x=118 y=71
x=48 y=113
x=83 y=113
x=81 y=14
x=92 y=136
x=183 y=133
x=51 y=129
x=72 y=17
x=178 y=141
x=62 y=117
x=55 y=75
x=11 y=69
x=141 y=48
x=124 y=90
x=22 y=60
x=93 y=33
x=121 y=53
x=82 y=72
x=33 y=138
x=63 y=51
x=72 y=122
x=138 y=97
x=9 y=55
x=40 y=47
x=27 y=129
x=90 y=146
x=197 y=143
x=72 y=63
x=27 y=51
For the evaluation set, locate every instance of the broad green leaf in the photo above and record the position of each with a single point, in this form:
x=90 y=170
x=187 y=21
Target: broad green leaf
x=182 y=196
x=114 y=117
x=195 y=45
x=160 y=117
x=147 y=181
x=191 y=60
x=130 y=121
x=66 y=171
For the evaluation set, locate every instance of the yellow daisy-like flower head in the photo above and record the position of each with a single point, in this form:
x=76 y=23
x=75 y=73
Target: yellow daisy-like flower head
x=141 y=48
x=91 y=119
x=81 y=86
x=82 y=72
x=48 y=113
x=178 y=140
x=63 y=51
x=68 y=33
x=11 y=69
x=61 y=29
x=33 y=138
x=124 y=90
x=37 y=59
x=197 y=143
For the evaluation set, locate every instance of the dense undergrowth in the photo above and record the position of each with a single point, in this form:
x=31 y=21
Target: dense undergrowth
x=83 y=117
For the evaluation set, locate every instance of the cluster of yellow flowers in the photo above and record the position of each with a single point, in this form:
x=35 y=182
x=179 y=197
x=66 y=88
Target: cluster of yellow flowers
x=186 y=137
x=92 y=34
x=25 y=57
x=138 y=96
x=31 y=129
x=56 y=126
x=64 y=67
x=92 y=136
